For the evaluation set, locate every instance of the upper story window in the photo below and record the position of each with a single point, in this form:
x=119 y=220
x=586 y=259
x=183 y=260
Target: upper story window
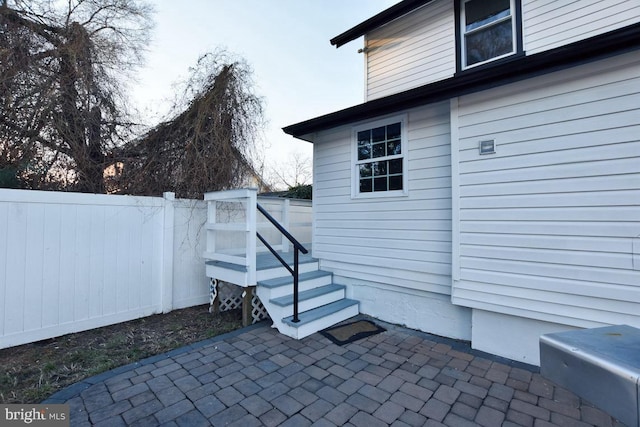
x=488 y=30
x=380 y=159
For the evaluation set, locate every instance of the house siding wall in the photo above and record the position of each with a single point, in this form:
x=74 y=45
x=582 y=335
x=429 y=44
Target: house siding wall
x=549 y=24
x=547 y=224
x=419 y=48
x=412 y=51
x=402 y=241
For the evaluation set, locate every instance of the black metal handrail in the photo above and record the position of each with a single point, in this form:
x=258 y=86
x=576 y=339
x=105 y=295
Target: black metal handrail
x=297 y=247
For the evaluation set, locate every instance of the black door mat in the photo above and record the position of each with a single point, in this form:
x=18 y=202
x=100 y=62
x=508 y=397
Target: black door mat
x=350 y=332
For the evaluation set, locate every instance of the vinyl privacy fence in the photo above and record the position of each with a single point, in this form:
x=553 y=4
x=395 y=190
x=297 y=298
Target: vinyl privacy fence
x=71 y=262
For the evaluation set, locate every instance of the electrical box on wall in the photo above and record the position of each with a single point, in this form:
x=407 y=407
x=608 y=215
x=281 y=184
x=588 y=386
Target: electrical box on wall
x=487 y=147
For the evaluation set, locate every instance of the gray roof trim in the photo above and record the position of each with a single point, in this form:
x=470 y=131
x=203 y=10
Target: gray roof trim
x=519 y=68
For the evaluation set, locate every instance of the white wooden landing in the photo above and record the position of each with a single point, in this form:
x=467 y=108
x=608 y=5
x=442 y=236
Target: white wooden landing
x=267 y=267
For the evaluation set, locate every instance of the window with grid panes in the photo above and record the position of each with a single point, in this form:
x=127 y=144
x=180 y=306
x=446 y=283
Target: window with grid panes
x=380 y=159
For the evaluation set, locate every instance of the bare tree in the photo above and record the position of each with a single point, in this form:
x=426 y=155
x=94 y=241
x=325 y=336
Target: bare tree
x=293 y=171
x=62 y=109
x=64 y=122
x=207 y=143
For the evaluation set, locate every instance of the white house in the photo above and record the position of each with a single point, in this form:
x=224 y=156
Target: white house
x=488 y=189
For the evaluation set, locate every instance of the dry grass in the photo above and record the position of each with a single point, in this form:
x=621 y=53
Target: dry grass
x=30 y=373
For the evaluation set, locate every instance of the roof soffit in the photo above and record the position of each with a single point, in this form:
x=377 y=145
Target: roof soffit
x=378 y=20
x=613 y=43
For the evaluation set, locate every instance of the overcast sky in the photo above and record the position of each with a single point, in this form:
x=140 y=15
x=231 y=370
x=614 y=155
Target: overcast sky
x=286 y=43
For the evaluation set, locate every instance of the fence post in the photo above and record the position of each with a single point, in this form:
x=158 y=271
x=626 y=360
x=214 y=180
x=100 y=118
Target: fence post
x=251 y=217
x=212 y=218
x=168 y=225
x=285 y=223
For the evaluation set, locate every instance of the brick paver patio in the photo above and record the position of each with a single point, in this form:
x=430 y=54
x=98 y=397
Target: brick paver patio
x=258 y=377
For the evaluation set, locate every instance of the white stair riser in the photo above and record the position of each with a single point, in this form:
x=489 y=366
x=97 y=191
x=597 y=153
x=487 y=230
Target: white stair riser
x=222 y=274
x=273 y=273
x=280 y=312
x=304 y=285
x=317 y=325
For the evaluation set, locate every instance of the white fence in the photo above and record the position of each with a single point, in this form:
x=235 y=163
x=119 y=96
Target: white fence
x=72 y=262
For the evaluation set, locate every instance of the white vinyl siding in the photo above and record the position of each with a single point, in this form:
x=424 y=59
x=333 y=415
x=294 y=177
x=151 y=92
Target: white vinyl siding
x=403 y=241
x=419 y=48
x=411 y=51
x=547 y=223
x=550 y=23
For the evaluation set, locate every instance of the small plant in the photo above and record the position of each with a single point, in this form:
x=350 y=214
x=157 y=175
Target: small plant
x=48 y=367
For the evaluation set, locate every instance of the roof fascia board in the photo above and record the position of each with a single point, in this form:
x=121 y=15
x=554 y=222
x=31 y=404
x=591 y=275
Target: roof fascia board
x=382 y=18
x=598 y=47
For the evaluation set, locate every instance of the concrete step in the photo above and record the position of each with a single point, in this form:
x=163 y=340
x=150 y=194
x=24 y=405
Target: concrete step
x=319 y=318
x=308 y=295
x=278 y=272
x=307 y=300
x=282 y=286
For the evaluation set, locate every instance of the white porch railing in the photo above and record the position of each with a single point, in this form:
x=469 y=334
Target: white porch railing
x=232 y=226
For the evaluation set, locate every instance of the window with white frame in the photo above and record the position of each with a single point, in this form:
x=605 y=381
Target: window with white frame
x=489 y=30
x=380 y=158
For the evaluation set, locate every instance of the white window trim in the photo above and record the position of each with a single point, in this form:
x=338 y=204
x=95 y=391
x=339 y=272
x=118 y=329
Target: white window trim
x=463 y=33
x=355 y=174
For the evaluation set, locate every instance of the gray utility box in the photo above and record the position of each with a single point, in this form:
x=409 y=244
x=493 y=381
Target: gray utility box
x=601 y=365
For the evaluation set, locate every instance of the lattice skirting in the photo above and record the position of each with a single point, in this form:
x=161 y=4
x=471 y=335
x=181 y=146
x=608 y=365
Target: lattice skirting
x=230 y=297
x=258 y=311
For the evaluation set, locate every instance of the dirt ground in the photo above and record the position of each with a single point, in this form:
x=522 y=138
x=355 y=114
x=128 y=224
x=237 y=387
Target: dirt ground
x=32 y=372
